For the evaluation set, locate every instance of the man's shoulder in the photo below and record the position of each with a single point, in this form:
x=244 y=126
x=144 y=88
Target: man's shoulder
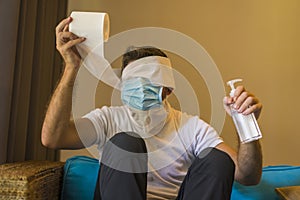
x=109 y=114
x=187 y=118
x=111 y=109
x=182 y=114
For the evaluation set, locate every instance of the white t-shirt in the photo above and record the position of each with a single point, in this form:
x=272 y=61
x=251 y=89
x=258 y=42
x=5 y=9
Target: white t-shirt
x=170 y=151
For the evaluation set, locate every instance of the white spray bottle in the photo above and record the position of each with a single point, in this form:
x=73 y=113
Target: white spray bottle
x=246 y=125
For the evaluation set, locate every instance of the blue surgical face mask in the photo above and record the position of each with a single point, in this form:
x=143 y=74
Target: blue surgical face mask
x=141 y=94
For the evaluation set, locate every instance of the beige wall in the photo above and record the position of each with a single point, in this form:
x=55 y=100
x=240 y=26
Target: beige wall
x=256 y=40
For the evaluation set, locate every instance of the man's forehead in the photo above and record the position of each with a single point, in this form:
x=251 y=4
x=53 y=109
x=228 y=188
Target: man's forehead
x=155 y=68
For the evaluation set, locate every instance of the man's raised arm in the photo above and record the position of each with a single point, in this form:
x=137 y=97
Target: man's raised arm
x=58 y=130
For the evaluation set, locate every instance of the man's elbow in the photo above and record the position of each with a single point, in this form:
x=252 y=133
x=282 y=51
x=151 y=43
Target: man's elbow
x=48 y=144
x=46 y=141
x=250 y=180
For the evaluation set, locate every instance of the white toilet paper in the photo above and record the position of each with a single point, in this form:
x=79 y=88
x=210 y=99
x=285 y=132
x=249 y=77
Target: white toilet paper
x=94 y=26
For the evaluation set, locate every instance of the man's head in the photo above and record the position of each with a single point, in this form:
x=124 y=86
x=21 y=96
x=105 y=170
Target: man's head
x=134 y=53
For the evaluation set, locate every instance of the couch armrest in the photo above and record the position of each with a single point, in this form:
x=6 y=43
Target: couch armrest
x=31 y=180
x=290 y=193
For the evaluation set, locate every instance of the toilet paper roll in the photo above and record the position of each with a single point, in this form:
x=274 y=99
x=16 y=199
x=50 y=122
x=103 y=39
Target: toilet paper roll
x=94 y=26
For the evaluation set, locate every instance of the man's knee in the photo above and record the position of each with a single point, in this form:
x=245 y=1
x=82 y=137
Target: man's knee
x=215 y=162
x=126 y=152
x=129 y=142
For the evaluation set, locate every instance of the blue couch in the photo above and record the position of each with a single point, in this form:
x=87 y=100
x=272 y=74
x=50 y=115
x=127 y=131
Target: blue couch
x=79 y=181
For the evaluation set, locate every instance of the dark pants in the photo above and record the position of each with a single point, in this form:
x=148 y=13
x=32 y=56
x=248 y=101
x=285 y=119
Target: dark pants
x=210 y=177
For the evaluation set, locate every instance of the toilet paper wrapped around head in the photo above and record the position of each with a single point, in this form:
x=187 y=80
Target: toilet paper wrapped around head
x=156 y=69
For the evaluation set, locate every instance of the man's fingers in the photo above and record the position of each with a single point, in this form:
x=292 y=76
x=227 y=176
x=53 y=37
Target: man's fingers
x=244 y=102
x=248 y=102
x=68 y=35
x=239 y=100
x=238 y=91
x=228 y=100
x=64 y=37
x=66 y=28
x=250 y=105
x=72 y=43
x=61 y=26
x=253 y=109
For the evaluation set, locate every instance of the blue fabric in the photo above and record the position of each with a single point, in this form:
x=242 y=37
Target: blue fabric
x=80 y=177
x=272 y=177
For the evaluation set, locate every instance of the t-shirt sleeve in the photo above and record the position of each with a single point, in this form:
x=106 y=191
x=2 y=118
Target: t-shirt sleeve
x=205 y=136
x=99 y=118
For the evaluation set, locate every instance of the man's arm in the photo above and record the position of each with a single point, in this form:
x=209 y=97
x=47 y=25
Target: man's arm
x=248 y=159
x=248 y=162
x=58 y=130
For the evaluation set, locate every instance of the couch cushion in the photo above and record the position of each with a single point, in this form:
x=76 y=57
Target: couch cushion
x=272 y=177
x=80 y=176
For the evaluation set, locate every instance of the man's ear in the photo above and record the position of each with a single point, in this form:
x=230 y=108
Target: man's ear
x=169 y=91
x=166 y=92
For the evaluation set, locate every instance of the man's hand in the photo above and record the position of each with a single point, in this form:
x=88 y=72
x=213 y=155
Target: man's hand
x=244 y=102
x=65 y=43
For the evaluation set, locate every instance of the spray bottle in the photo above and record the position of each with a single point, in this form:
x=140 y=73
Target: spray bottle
x=246 y=125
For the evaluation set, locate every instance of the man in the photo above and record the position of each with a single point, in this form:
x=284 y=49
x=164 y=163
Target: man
x=151 y=151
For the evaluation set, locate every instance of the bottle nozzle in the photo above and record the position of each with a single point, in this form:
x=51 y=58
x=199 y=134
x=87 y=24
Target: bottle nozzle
x=231 y=84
